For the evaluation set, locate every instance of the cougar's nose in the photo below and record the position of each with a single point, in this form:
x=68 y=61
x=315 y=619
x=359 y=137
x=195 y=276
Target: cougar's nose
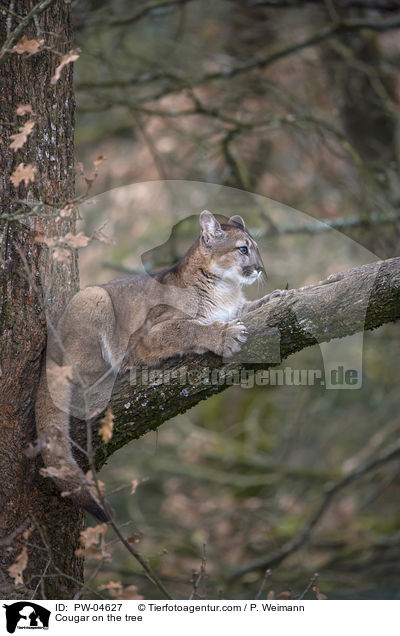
x=258 y=268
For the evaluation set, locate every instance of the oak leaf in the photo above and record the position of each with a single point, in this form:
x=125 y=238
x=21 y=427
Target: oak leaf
x=92 y=485
x=99 y=160
x=66 y=210
x=134 y=485
x=111 y=585
x=27 y=46
x=21 y=137
x=106 y=426
x=72 y=56
x=136 y=482
x=50 y=241
x=23 y=172
x=16 y=569
x=88 y=539
x=318 y=594
x=24 y=109
x=130 y=593
x=75 y=240
x=117 y=591
x=62 y=255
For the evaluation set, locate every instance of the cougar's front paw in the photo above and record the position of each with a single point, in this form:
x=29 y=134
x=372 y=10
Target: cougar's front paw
x=235 y=335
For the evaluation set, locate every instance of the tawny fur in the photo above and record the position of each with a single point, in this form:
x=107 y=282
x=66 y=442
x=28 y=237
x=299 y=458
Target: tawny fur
x=192 y=307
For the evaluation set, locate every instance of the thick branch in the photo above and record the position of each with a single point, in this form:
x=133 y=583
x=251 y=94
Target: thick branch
x=360 y=299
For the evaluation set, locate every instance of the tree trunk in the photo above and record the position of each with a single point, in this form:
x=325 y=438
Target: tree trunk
x=29 y=502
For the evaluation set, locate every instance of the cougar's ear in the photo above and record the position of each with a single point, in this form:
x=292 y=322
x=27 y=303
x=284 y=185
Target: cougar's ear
x=210 y=228
x=237 y=220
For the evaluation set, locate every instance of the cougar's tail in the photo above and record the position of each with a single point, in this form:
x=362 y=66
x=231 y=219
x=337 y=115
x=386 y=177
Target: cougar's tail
x=52 y=426
x=86 y=500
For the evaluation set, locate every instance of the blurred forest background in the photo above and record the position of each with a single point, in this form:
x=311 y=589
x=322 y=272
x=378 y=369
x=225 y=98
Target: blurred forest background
x=297 y=102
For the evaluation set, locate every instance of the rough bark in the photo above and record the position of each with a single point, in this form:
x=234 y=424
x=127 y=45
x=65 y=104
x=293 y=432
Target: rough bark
x=26 y=499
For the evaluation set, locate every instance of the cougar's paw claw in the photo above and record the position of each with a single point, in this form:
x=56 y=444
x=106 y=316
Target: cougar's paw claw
x=235 y=336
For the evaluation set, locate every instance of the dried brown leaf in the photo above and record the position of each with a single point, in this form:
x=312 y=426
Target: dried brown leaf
x=23 y=172
x=99 y=160
x=130 y=593
x=318 y=594
x=67 y=210
x=106 y=426
x=17 y=568
x=93 y=535
x=89 y=537
x=134 y=485
x=284 y=595
x=91 y=483
x=105 y=239
x=27 y=46
x=21 y=137
x=24 y=109
x=74 y=240
x=50 y=241
x=72 y=56
x=117 y=591
x=62 y=255
x=90 y=553
x=111 y=585
x=27 y=533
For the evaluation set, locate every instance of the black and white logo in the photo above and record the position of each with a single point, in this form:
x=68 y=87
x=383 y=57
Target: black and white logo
x=26 y=615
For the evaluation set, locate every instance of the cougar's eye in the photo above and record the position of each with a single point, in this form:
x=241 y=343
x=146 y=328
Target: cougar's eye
x=243 y=250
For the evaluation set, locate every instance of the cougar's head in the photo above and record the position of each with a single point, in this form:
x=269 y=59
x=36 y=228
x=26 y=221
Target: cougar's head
x=230 y=252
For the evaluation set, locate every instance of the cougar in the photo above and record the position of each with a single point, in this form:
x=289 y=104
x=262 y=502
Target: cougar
x=191 y=307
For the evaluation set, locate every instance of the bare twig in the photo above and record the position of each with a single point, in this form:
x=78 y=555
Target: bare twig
x=199 y=576
x=309 y=586
x=40 y=582
x=391 y=453
x=151 y=7
x=332 y=30
x=24 y=22
x=267 y=575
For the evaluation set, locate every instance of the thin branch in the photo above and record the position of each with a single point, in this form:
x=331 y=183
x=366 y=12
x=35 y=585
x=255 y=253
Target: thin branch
x=200 y=575
x=25 y=21
x=152 y=7
x=311 y=582
x=391 y=453
x=149 y=571
x=332 y=30
x=267 y=575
